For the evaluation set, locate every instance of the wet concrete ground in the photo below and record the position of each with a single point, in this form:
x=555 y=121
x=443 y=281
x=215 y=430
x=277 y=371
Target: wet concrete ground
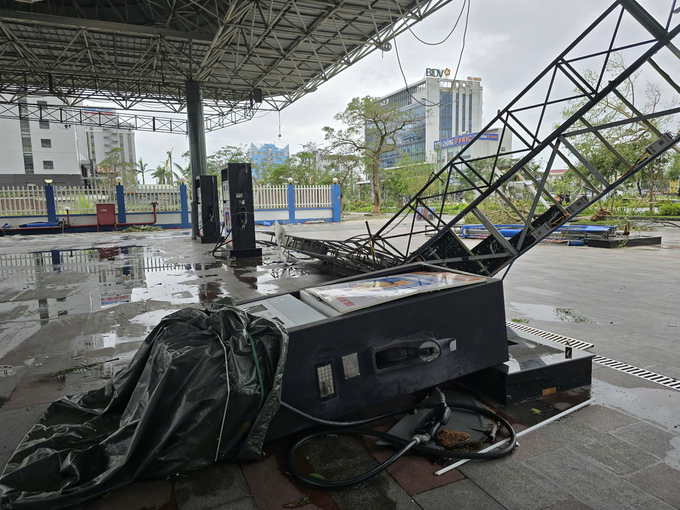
x=75 y=307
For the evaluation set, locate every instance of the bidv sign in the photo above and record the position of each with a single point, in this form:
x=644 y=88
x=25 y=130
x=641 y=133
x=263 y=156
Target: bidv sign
x=437 y=73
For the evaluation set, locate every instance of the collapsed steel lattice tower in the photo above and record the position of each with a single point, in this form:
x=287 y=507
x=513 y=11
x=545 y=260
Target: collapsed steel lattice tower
x=625 y=30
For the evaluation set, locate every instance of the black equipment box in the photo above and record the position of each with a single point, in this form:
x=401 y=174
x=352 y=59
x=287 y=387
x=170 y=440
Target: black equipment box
x=537 y=367
x=206 y=189
x=343 y=364
x=239 y=209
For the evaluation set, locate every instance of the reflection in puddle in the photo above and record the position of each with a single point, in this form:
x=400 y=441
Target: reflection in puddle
x=151 y=319
x=552 y=314
x=82 y=281
x=47 y=288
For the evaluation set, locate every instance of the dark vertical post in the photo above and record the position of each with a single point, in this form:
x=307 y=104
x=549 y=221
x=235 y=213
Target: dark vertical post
x=197 y=152
x=336 y=201
x=184 y=205
x=291 y=203
x=120 y=199
x=51 y=203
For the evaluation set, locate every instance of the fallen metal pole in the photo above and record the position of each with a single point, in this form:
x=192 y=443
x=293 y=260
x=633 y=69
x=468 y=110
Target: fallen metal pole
x=519 y=434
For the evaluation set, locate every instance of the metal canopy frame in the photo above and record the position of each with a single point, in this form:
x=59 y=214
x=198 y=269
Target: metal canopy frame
x=140 y=53
x=431 y=237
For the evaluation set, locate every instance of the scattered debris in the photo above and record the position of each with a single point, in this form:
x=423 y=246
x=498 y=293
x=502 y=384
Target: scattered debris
x=601 y=215
x=297 y=504
x=79 y=369
x=451 y=439
x=7 y=370
x=521 y=321
x=141 y=228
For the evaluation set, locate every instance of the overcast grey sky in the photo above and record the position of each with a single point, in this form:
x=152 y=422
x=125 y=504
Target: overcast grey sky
x=508 y=44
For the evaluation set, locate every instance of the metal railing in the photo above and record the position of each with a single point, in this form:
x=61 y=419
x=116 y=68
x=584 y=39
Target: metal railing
x=81 y=200
x=139 y=199
x=312 y=196
x=22 y=201
x=270 y=197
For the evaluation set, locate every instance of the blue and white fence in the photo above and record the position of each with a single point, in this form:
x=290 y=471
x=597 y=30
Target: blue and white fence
x=296 y=204
x=76 y=206
x=74 y=209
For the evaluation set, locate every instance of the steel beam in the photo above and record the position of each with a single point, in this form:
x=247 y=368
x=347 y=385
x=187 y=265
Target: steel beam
x=197 y=151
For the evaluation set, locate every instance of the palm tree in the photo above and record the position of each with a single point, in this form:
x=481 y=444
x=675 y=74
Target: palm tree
x=184 y=172
x=168 y=166
x=141 y=169
x=160 y=174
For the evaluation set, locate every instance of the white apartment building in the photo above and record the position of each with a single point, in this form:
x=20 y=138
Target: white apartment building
x=32 y=151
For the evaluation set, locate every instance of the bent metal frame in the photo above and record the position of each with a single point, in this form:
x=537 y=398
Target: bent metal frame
x=578 y=76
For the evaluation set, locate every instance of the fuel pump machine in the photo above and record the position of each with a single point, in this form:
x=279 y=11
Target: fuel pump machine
x=208 y=200
x=367 y=339
x=239 y=210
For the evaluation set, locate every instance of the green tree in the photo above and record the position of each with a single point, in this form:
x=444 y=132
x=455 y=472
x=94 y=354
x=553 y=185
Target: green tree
x=140 y=169
x=217 y=160
x=184 y=172
x=629 y=140
x=370 y=130
x=673 y=168
x=405 y=179
x=115 y=165
x=302 y=167
x=169 y=173
x=160 y=174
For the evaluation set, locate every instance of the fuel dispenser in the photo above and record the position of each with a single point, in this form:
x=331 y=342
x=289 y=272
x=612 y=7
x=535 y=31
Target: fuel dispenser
x=206 y=189
x=239 y=209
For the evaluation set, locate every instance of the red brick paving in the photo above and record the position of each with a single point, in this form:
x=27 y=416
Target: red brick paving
x=272 y=488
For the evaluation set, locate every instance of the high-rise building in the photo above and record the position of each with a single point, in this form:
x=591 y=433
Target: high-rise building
x=267 y=154
x=32 y=151
x=442 y=108
x=100 y=140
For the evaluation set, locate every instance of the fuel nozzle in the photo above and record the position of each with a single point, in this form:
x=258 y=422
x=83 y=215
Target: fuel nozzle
x=434 y=420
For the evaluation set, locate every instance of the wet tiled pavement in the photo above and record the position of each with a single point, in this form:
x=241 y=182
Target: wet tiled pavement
x=74 y=308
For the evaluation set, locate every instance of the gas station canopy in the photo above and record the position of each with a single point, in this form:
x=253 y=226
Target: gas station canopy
x=136 y=52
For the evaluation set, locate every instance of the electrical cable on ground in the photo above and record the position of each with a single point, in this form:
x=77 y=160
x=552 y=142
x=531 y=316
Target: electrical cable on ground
x=425 y=431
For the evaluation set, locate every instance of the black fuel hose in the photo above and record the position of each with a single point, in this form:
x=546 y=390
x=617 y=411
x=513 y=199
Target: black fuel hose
x=351 y=428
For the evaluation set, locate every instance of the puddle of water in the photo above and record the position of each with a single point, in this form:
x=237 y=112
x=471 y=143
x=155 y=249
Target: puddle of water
x=39 y=288
x=660 y=406
x=549 y=313
x=151 y=319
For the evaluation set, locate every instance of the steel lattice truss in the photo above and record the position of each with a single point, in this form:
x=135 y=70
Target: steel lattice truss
x=142 y=52
x=581 y=76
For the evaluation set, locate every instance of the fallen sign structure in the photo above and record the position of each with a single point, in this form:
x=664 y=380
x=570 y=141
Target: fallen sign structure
x=432 y=239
